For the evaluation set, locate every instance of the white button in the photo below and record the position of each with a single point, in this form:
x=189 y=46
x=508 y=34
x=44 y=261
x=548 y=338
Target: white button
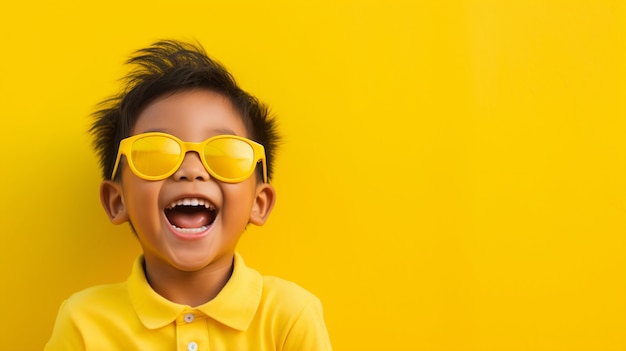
x=192 y=346
x=189 y=317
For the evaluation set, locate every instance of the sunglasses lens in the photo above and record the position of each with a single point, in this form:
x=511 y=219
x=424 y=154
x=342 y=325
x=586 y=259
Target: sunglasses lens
x=155 y=155
x=229 y=158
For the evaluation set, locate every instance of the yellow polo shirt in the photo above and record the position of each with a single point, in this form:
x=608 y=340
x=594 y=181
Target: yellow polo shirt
x=252 y=312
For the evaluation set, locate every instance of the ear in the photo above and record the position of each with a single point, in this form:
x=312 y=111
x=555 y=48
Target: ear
x=112 y=199
x=263 y=204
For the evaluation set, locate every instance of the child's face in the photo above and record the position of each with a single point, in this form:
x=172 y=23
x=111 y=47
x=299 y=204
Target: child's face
x=188 y=238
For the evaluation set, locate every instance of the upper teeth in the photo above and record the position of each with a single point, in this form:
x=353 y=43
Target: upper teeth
x=191 y=202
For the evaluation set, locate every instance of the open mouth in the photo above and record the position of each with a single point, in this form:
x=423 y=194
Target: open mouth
x=191 y=215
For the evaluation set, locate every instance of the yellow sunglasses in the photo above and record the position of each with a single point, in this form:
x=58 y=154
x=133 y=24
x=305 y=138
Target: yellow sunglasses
x=156 y=156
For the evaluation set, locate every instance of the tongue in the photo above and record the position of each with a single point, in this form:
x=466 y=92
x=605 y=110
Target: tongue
x=188 y=220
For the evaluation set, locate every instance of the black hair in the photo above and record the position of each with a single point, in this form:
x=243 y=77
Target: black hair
x=167 y=67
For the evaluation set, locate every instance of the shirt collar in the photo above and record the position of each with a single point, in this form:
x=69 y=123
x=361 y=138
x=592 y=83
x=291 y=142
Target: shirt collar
x=235 y=306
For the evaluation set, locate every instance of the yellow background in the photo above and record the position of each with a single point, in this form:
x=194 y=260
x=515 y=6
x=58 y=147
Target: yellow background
x=453 y=175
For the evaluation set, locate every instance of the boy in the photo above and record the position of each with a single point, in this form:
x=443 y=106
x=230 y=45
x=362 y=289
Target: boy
x=180 y=165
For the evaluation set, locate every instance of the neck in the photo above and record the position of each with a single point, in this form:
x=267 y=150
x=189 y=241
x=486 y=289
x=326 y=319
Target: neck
x=188 y=288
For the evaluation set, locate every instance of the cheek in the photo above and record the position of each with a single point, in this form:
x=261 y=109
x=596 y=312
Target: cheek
x=238 y=199
x=141 y=199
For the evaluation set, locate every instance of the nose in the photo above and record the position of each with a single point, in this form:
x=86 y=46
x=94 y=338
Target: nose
x=191 y=168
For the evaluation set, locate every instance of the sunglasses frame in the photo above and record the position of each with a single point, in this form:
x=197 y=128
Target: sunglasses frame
x=126 y=145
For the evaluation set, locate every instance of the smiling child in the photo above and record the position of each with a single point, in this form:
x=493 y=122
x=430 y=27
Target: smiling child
x=187 y=158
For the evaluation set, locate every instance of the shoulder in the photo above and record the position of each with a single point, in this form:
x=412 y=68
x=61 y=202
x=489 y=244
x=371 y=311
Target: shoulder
x=99 y=293
x=286 y=291
x=272 y=291
x=286 y=314
x=289 y=301
x=297 y=315
x=97 y=300
x=82 y=313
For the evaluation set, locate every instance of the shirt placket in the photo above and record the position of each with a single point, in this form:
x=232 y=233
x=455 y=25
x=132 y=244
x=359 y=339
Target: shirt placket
x=192 y=332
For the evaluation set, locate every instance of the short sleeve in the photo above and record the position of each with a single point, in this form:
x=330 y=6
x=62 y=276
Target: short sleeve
x=308 y=332
x=65 y=334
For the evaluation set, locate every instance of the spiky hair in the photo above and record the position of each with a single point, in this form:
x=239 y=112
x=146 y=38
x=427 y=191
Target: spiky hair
x=167 y=67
